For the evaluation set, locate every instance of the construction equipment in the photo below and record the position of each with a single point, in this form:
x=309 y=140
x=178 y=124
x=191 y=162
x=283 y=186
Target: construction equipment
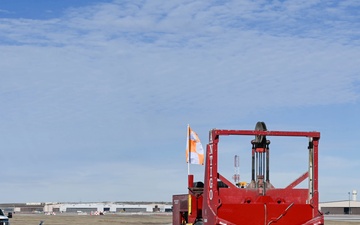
x=219 y=201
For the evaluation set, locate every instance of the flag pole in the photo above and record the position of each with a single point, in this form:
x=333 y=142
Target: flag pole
x=188 y=147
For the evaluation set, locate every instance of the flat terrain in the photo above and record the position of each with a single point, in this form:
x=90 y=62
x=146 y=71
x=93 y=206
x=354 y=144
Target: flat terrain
x=340 y=223
x=67 y=219
x=150 y=219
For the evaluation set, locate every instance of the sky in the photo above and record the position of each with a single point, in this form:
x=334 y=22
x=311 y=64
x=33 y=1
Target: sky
x=96 y=95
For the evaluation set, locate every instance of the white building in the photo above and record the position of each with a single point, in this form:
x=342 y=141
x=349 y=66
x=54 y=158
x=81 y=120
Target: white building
x=340 y=207
x=350 y=206
x=106 y=207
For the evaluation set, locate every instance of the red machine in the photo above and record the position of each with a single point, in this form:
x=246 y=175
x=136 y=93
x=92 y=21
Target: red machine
x=219 y=201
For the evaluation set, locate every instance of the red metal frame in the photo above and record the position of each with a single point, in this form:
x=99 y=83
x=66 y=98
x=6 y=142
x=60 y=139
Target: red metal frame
x=220 y=201
x=233 y=205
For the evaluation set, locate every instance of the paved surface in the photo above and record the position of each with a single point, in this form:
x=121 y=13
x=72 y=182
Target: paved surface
x=350 y=218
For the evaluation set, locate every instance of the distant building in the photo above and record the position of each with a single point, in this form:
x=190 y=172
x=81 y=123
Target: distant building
x=106 y=207
x=340 y=207
x=350 y=206
x=33 y=207
x=89 y=208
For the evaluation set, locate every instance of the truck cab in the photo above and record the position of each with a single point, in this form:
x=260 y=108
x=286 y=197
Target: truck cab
x=4 y=220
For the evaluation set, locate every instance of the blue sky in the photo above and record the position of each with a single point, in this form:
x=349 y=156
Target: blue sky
x=96 y=95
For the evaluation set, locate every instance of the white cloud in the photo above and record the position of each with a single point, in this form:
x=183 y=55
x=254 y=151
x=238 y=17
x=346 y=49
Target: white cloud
x=124 y=75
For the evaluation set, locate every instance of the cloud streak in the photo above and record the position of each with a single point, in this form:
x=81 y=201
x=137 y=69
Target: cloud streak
x=119 y=81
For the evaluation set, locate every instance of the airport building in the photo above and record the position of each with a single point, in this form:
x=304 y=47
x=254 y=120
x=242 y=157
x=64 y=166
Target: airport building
x=107 y=207
x=350 y=206
x=341 y=207
x=87 y=208
x=34 y=207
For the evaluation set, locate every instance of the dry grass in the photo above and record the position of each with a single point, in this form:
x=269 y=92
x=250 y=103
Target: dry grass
x=66 y=219
x=145 y=219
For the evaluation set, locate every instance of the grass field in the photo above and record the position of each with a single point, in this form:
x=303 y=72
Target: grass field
x=67 y=219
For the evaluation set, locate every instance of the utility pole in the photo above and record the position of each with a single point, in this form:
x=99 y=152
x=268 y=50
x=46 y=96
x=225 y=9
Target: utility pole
x=349 y=204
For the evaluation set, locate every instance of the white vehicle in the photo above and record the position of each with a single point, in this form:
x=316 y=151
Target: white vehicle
x=4 y=220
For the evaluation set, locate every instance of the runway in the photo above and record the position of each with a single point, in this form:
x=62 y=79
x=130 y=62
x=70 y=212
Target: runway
x=349 y=218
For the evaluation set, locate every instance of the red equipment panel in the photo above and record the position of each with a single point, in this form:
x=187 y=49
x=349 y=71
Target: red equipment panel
x=180 y=206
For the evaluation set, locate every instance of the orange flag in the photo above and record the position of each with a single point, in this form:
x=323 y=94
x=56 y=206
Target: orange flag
x=194 y=149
